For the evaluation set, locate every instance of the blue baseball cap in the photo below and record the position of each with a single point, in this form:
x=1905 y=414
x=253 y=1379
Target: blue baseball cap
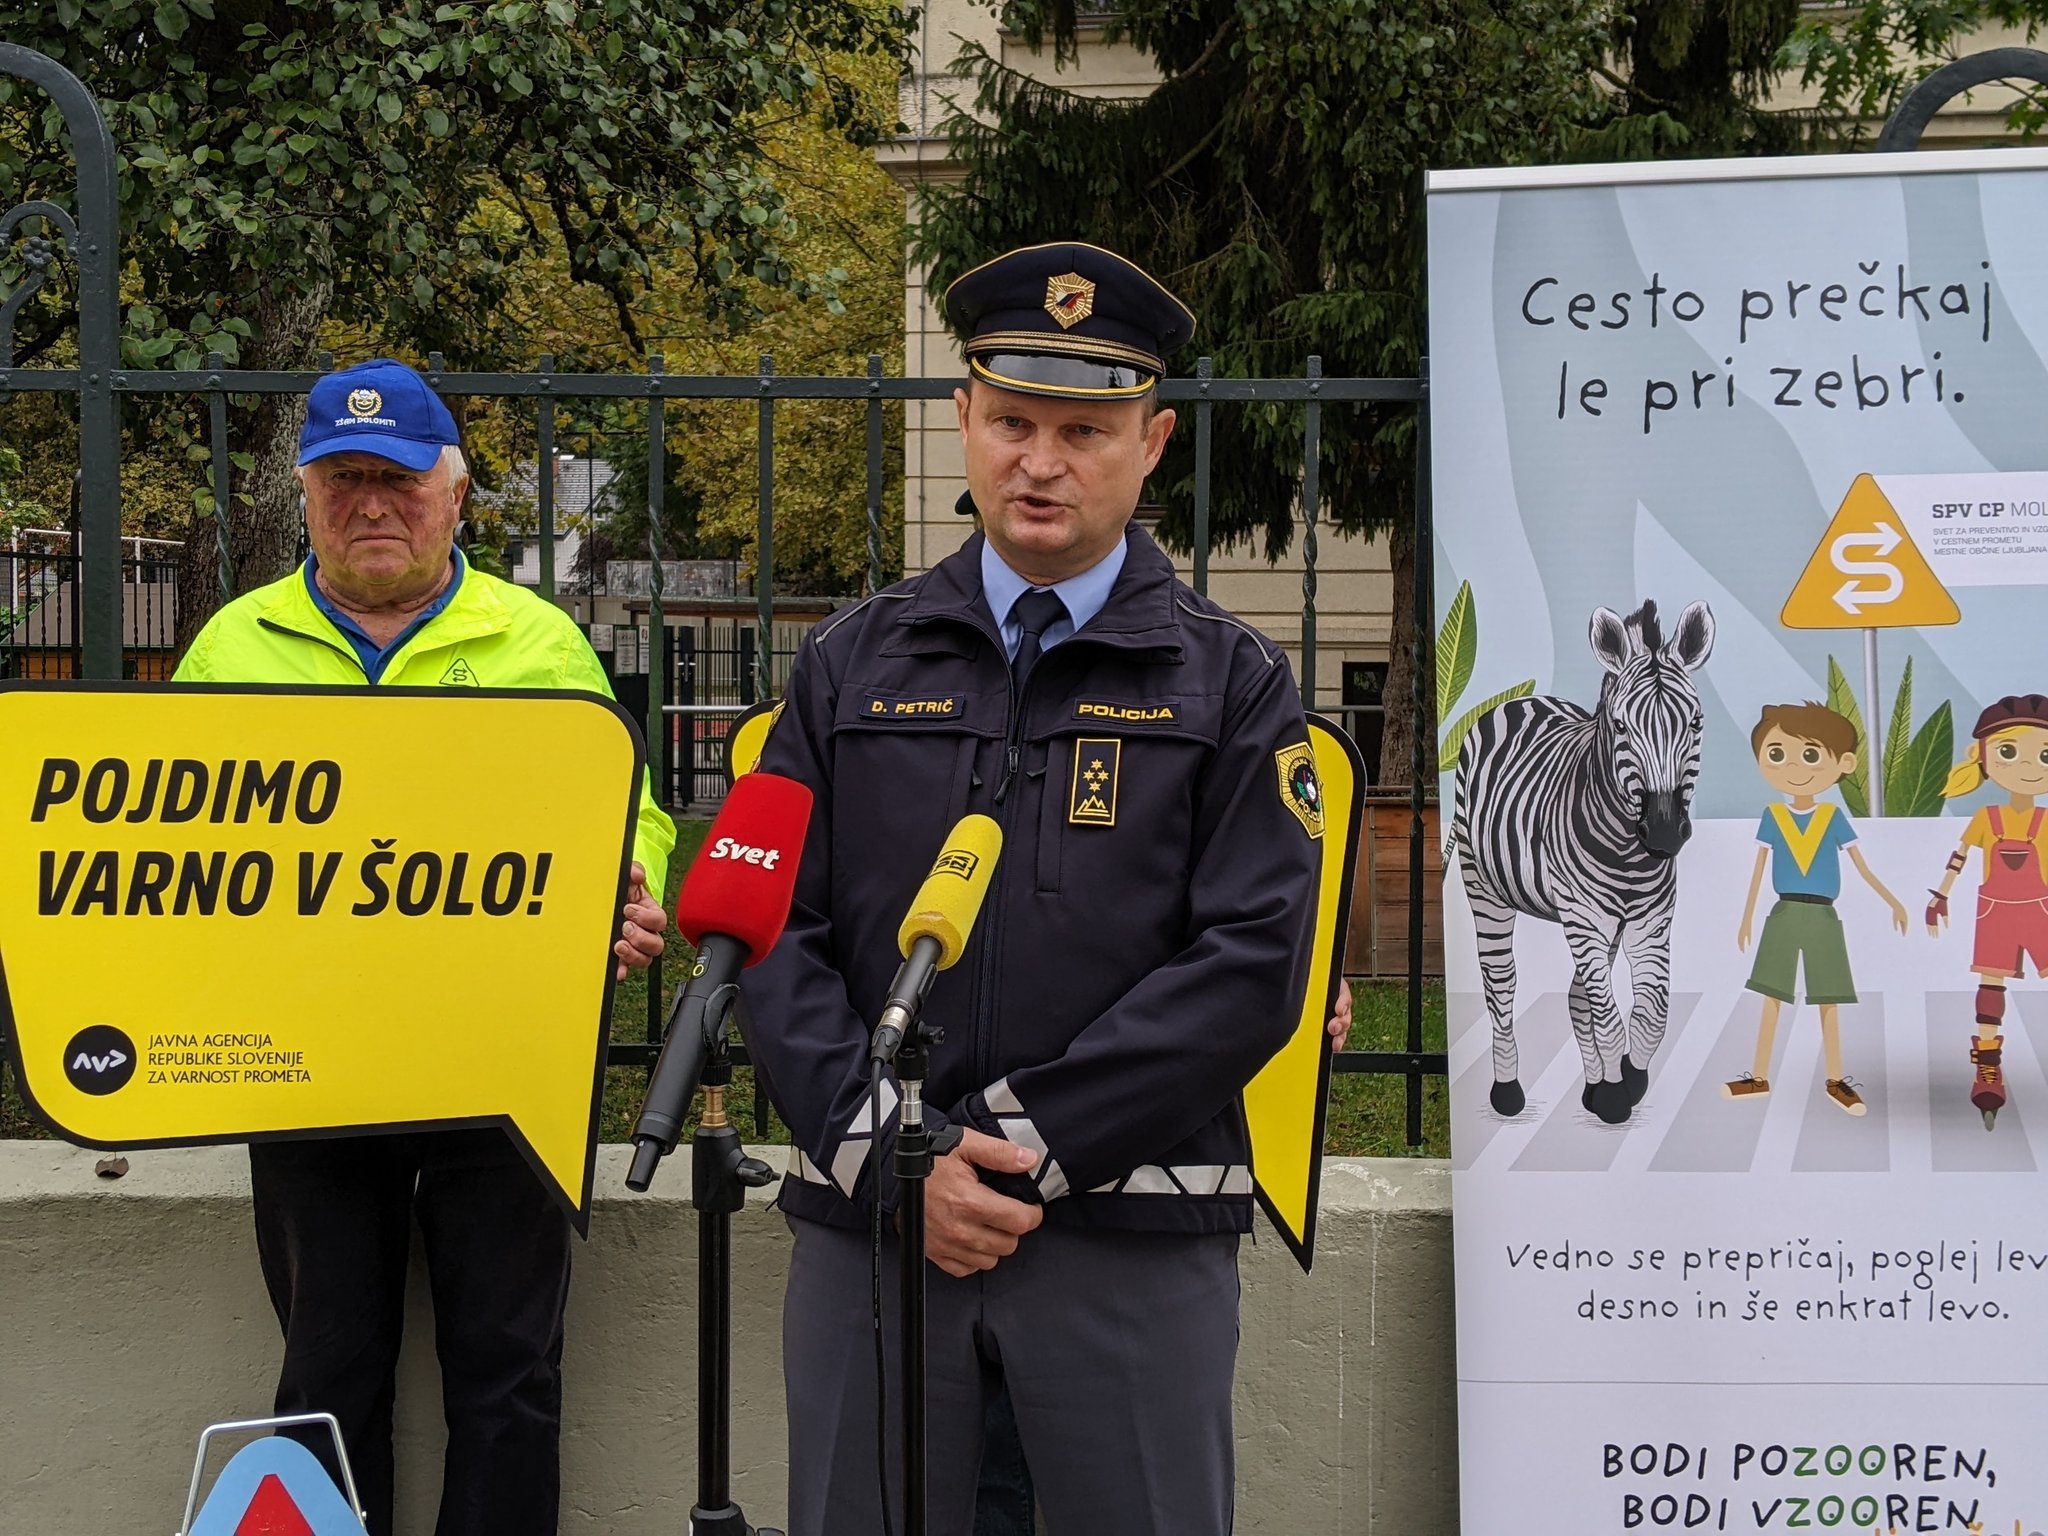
x=379 y=407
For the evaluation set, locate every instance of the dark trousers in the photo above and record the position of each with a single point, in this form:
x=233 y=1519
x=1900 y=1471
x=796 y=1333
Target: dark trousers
x=333 y=1221
x=1116 y=1350
x=1002 y=1499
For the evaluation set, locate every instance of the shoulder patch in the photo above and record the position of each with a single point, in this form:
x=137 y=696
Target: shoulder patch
x=1301 y=791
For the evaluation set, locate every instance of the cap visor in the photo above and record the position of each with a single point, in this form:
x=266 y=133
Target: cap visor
x=400 y=450
x=1063 y=378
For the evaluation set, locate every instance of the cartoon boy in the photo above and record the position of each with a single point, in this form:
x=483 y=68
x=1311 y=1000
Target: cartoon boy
x=1803 y=751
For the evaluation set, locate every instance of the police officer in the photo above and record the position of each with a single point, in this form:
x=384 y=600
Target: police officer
x=1140 y=955
x=385 y=598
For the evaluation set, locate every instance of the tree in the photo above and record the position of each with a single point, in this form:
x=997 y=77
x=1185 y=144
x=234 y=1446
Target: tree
x=1274 y=180
x=846 y=212
x=286 y=164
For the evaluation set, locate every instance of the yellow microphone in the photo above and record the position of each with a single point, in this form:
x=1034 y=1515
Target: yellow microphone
x=935 y=929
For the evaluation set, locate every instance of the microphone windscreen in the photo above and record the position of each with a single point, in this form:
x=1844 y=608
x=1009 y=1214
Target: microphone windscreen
x=950 y=898
x=745 y=873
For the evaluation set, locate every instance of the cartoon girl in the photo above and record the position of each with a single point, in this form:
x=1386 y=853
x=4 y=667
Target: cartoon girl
x=2012 y=904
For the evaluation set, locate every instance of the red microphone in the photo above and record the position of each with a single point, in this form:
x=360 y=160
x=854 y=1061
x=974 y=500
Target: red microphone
x=732 y=906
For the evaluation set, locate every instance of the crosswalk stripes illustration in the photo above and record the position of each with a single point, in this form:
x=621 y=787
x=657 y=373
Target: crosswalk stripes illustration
x=1908 y=1057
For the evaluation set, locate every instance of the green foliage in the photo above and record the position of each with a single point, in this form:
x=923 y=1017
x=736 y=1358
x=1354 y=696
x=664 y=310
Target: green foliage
x=16 y=511
x=1923 y=768
x=1273 y=181
x=1855 y=787
x=1860 y=61
x=270 y=150
x=1457 y=646
x=1915 y=763
x=850 y=215
x=1454 y=736
x=1457 y=649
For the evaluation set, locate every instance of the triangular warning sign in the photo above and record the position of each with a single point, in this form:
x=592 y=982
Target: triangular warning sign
x=275 y=1487
x=272 y=1513
x=1867 y=573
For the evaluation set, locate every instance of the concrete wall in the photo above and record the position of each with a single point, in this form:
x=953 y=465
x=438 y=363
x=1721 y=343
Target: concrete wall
x=131 y=1315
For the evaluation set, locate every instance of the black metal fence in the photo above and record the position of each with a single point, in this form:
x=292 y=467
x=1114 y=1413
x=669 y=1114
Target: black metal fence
x=97 y=578
x=41 y=615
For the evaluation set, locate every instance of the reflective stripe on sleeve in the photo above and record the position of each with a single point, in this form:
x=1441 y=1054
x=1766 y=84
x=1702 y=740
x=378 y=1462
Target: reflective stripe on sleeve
x=853 y=1149
x=1021 y=1130
x=1190 y=1179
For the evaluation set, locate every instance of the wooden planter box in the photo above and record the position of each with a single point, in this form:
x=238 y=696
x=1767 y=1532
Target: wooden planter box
x=1378 y=940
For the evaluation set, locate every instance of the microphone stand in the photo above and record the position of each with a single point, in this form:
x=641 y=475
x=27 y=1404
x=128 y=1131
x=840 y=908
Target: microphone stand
x=721 y=1174
x=915 y=1149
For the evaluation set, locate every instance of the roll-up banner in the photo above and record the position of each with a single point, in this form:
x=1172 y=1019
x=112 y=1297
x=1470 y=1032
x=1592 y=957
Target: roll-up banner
x=1741 y=496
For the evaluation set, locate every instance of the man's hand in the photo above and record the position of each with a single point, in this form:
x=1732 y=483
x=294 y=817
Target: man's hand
x=640 y=941
x=1340 y=1021
x=967 y=1225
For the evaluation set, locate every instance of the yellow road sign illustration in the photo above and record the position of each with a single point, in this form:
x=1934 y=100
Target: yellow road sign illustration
x=236 y=913
x=1867 y=573
x=1284 y=1105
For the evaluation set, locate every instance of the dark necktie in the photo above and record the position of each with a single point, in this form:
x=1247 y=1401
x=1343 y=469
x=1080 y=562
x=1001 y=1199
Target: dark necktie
x=1037 y=610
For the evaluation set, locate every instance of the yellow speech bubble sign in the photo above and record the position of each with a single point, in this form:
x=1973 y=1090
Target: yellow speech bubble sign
x=1285 y=1105
x=228 y=914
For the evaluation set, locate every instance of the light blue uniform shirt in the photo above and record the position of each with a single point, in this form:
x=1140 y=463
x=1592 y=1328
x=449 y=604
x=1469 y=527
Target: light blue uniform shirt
x=1083 y=596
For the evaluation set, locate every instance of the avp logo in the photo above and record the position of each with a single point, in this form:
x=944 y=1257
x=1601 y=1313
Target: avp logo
x=741 y=853
x=99 y=1059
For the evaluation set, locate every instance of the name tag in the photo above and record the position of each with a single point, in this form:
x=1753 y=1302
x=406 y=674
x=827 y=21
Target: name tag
x=943 y=708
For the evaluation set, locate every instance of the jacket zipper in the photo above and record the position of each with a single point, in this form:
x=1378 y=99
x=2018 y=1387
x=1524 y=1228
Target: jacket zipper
x=299 y=634
x=991 y=950
x=992 y=904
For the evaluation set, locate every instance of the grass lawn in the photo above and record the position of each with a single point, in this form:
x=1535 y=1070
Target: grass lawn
x=1368 y=1115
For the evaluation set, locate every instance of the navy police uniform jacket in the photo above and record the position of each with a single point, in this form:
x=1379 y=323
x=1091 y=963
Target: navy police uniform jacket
x=1144 y=944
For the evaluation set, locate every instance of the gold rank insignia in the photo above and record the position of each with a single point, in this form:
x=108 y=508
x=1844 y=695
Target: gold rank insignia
x=1091 y=802
x=1300 y=790
x=1069 y=299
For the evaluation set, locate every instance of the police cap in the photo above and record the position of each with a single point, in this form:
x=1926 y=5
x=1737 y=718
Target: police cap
x=1068 y=320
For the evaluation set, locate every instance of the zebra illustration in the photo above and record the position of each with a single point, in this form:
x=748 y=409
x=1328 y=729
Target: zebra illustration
x=1575 y=818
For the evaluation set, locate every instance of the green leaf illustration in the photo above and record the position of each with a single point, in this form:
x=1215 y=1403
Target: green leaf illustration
x=1855 y=788
x=1454 y=736
x=1457 y=647
x=1923 y=768
x=1896 y=740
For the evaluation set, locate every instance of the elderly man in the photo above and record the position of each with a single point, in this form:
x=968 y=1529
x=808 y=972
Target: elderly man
x=386 y=598
x=1141 y=952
